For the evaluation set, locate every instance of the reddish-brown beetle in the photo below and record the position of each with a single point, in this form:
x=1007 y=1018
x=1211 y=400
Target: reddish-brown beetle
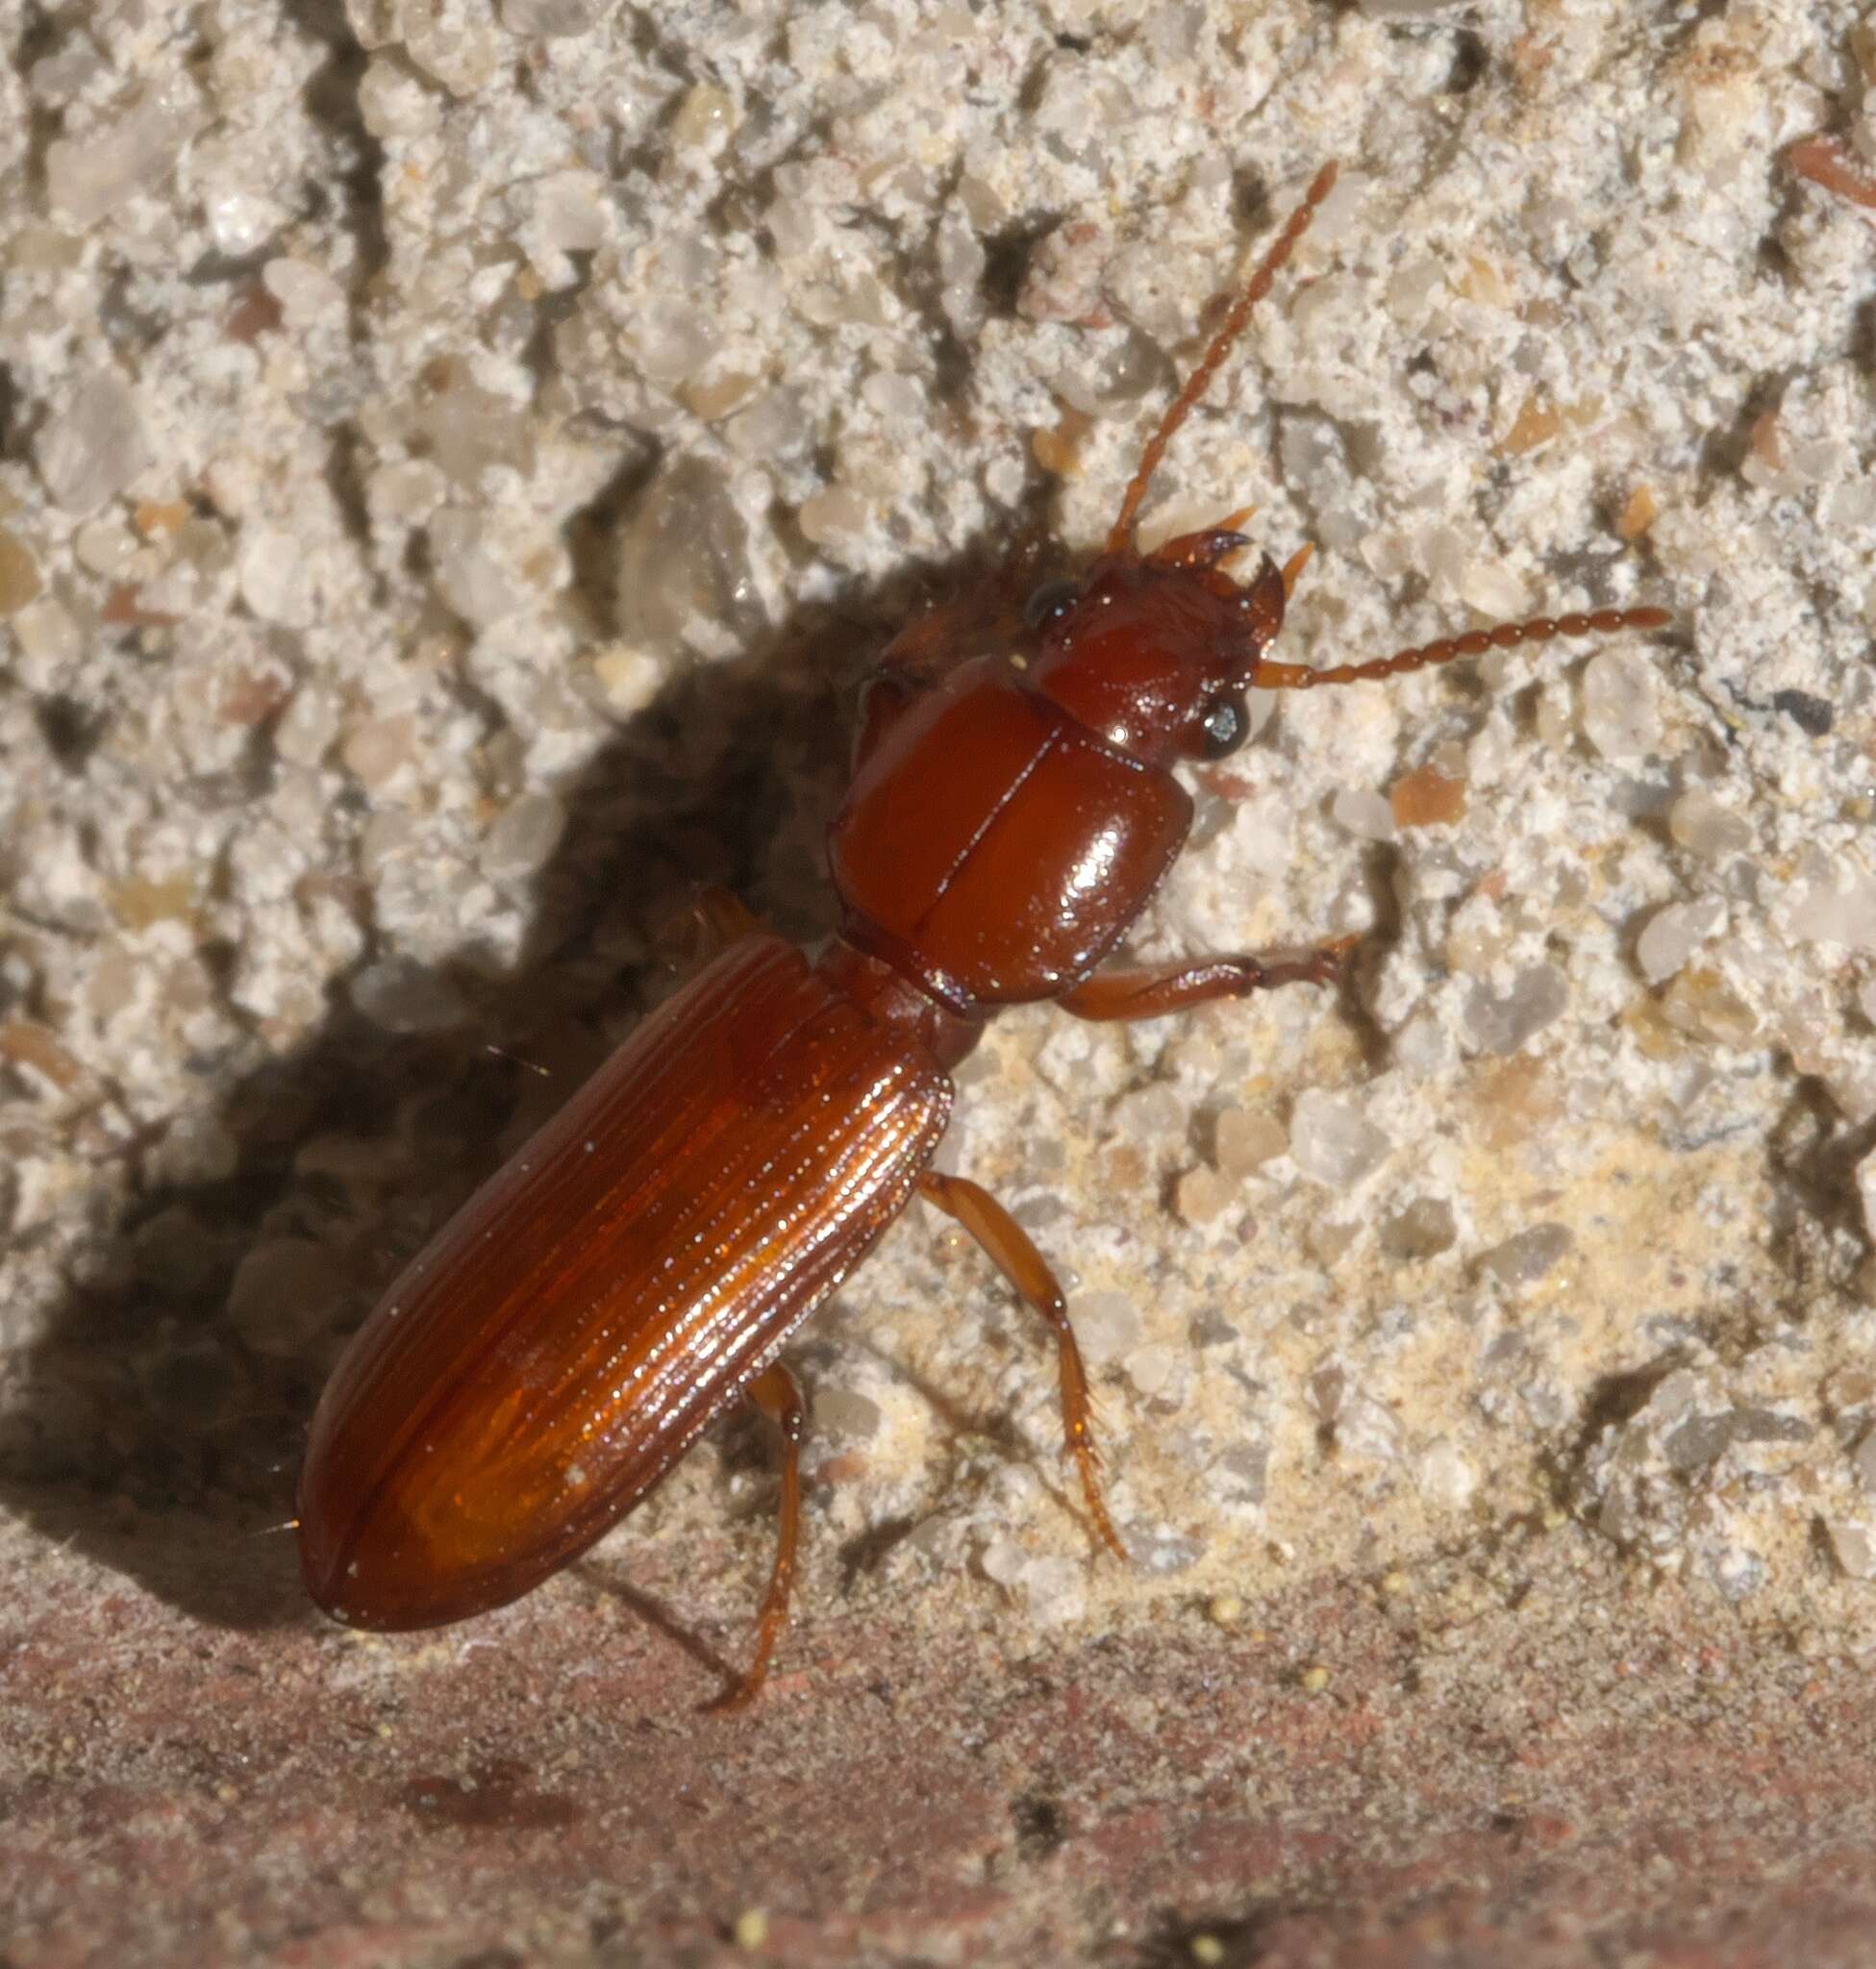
x=557 y=1346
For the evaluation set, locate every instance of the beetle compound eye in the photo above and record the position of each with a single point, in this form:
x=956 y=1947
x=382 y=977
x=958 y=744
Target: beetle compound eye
x=1224 y=726
x=1050 y=603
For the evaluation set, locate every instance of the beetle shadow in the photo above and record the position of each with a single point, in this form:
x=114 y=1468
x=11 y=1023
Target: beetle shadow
x=158 y=1417
x=961 y=1426
x=653 y=1614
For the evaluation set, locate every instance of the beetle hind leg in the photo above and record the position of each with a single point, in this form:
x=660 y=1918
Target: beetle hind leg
x=777 y=1395
x=1009 y=1248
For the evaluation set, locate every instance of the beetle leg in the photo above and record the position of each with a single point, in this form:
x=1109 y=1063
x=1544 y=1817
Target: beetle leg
x=988 y=617
x=1009 y=1248
x=776 y=1394
x=718 y=919
x=1148 y=994
x=884 y=695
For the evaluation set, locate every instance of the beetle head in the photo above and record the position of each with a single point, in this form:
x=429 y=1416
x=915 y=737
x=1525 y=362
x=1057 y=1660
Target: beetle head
x=1155 y=651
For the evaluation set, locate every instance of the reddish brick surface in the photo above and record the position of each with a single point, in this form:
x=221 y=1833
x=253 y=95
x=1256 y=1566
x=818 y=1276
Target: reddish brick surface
x=1533 y=1762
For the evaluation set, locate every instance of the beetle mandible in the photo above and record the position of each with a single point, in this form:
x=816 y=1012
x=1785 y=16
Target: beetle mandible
x=559 y=1344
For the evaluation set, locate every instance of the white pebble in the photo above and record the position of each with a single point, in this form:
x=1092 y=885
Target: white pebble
x=1620 y=717
x=307 y=293
x=1495 y=591
x=524 y=836
x=1671 y=935
x=1364 y=812
x=90 y=450
x=1863 y=1460
x=404 y=997
x=1422 y=1047
x=394 y=104
x=1705 y=827
x=104 y=545
x=1834 y=903
x=1107 y=1326
x=275 y=577
x=569 y=216
x=683 y=562
x=553 y=18
x=842 y=1416
x=378 y=750
x=283 y=1291
x=1446 y=1475
x=1057 y=1587
x=671 y=339
x=480 y=572
x=1538 y=995
x=87 y=176
x=1003 y=1561
x=1333 y=1140
x=306 y=727
x=1852 y=1548
x=831 y=517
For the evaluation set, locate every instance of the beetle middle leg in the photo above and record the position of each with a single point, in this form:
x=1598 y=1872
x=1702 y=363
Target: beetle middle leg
x=988 y=616
x=1144 y=994
x=719 y=918
x=776 y=1394
x=1009 y=1248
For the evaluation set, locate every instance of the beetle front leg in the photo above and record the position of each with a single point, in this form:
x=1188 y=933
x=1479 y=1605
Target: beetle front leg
x=775 y=1393
x=920 y=657
x=1139 y=993
x=1009 y=1248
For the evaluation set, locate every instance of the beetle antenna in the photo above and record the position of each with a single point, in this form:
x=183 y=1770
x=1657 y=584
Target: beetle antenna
x=1475 y=642
x=1121 y=538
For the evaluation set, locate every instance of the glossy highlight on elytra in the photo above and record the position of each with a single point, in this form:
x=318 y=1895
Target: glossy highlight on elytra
x=642 y=1262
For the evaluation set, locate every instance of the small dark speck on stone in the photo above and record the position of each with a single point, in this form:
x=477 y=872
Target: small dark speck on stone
x=1814 y=714
x=1039 y=1827
x=70 y=732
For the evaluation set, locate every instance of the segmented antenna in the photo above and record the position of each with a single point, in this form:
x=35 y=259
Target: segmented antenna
x=1199 y=380
x=1474 y=642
